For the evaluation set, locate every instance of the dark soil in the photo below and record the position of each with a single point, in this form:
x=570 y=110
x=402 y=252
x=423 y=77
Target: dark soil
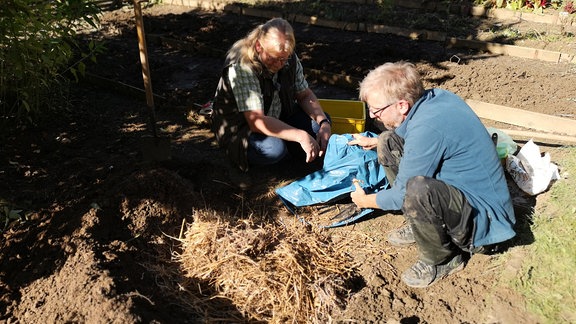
x=96 y=240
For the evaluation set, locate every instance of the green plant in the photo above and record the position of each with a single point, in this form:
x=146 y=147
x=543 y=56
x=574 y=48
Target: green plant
x=37 y=43
x=556 y=3
x=537 y=6
x=500 y=3
x=515 y=4
x=8 y=214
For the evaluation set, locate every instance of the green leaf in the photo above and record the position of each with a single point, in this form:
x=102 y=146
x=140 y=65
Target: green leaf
x=74 y=73
x=82 y=68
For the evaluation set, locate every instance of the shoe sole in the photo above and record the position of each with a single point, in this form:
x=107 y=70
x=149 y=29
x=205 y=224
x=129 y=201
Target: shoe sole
x=398 y=244
x=458 y=268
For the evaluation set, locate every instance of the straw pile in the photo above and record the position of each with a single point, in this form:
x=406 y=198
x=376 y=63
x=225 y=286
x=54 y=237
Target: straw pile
x=272 y=273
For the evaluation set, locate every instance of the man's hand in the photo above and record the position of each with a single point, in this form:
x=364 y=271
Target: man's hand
x=310 y=147
x=323 y=136
x=364 y=142
x=360 y=198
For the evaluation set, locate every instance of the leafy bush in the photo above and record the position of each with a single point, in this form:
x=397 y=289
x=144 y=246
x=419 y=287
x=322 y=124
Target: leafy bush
x=37 y=46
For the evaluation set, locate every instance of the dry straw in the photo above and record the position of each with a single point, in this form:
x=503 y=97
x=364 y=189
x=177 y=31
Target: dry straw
x=269 y=272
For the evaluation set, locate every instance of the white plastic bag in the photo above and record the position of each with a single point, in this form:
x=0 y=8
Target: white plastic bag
x=531 y=171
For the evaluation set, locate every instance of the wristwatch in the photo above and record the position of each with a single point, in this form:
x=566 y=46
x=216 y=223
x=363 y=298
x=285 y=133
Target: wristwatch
x=325 y=120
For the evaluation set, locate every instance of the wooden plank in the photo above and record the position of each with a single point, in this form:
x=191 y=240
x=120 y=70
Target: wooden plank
x=404 y=32
x=551 y=19
x=336 y=24
x=524 y=118
x=512 y=50
x=540 y=137
x=527 y=52
x=491 y=47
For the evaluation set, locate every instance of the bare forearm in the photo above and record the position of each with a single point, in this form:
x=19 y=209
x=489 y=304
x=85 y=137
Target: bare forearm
x=270 y=126
x=310 y=104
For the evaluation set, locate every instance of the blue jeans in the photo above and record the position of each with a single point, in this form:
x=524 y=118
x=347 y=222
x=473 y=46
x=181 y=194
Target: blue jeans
x=266 y=150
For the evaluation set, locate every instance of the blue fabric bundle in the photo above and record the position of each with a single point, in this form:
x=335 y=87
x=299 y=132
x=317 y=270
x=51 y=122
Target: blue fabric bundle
x=342 y=164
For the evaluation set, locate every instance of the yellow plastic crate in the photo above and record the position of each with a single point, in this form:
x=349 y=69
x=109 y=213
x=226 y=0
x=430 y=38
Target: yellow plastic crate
x=348 y=116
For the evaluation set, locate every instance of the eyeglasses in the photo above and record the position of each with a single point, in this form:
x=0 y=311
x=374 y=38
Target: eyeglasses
x=378 y=110
x=273 y=59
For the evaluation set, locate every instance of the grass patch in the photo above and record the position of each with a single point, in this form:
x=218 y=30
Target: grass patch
x=547 y=276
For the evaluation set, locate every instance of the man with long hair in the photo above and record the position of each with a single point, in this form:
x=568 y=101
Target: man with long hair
x=264 y=110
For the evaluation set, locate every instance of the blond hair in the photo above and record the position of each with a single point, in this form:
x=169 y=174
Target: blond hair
x=395 y=81
x=268 y=33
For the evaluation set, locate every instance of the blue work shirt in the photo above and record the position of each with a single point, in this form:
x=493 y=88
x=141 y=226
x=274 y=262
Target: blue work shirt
x=444 y=139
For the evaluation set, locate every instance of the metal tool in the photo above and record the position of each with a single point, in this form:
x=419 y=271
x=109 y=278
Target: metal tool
x=349 y=216
x=346 y=214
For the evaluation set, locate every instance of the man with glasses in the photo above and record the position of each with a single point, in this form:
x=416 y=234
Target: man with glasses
x=264 y=110
x=444 y=170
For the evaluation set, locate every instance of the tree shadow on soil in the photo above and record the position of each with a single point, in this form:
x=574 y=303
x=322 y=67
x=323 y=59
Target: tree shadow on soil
x=138 y=235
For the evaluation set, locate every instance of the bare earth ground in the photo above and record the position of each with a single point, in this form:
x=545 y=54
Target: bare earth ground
x=98 y=233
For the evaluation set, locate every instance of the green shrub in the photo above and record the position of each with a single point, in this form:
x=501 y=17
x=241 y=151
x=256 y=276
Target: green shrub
x=38 y=53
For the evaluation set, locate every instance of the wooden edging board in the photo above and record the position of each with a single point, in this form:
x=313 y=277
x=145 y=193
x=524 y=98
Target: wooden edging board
x=540 y=137
x=494 y=48
x=524 y=118
x=546 y=126
x=476 y=10
x=511 y=50
x=499 y=13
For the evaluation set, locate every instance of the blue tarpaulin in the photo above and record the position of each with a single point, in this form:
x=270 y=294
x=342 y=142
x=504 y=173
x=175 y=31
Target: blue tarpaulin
x=342 y=164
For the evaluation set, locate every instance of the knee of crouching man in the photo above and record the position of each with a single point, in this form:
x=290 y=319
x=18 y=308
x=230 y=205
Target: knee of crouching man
x=415 y=189
x=416 y=186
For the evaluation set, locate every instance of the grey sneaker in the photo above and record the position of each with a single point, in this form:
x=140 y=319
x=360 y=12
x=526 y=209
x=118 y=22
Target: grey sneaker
x=402 y=236
x=422 y=275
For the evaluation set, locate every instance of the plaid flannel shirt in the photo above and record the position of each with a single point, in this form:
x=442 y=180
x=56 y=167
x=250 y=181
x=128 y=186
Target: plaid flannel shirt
x=247 y=92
